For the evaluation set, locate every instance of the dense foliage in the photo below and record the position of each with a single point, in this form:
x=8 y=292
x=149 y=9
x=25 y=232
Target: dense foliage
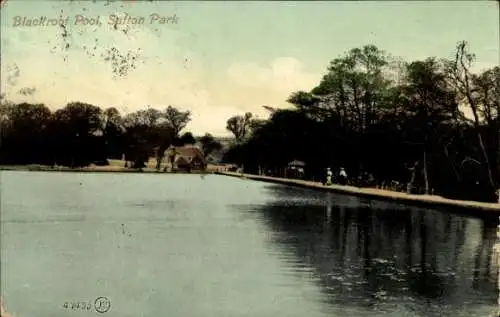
x=431 y=124
x=80 y=134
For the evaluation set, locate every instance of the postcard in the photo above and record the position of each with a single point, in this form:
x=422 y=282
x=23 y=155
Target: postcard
x=249 y=158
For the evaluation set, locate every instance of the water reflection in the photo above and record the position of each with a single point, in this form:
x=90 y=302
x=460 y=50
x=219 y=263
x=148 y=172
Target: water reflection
x=226 y=247
x=426 y=262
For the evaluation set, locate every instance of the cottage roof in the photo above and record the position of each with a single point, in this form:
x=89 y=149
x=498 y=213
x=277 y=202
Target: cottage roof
x=189 y=152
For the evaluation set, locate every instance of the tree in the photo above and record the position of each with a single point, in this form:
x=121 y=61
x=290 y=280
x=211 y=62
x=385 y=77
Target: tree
x=4 y=121
x=209 y=144
x=148 y=134
x=429 y=103
x=255 y=125
x=239 y=126
x=351 y=96
x=23 y=128
x=463 y=81
x=76 y=131
x=187 y=138
x=136 y=137
x=113 y=129
x=82 y=118
x=177 y=119
x=308 y=103
x=486 y=88
x=163 y=137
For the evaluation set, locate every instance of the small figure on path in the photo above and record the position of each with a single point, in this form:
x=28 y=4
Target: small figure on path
x=342 y=176
x=329 y=175
x=371 y=179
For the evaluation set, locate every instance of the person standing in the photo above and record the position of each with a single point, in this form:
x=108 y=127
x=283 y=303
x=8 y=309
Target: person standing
x=342 y=176
x=329 y=175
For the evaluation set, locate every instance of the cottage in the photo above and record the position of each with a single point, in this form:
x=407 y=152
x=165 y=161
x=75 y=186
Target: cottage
x=188 y=157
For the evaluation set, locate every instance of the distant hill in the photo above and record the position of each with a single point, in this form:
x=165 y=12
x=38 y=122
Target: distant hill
x=225 y=141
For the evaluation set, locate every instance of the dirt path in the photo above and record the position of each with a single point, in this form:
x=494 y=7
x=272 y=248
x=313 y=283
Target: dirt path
x=377 y=194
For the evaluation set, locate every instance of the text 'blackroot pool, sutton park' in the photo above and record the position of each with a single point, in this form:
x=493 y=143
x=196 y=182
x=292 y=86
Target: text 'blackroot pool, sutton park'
x=112 y=19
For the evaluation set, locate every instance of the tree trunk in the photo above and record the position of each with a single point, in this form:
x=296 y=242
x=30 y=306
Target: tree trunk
x=426 y=176
x=409 y=187
x=158 y=162
x=484 y=152
x=453 y=167
x=159 y=159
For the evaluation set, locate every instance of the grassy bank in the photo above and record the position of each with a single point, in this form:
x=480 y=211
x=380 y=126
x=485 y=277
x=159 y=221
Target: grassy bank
x=380 y=194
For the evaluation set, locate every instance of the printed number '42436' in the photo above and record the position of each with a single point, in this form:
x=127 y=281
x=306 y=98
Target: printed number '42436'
x=77 y=305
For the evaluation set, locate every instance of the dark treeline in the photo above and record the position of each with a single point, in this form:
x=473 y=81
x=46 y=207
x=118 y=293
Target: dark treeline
x=432 y=125
x=81 y=134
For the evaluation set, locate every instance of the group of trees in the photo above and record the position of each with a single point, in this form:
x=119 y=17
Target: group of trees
x=431 y=124
x=80 y=134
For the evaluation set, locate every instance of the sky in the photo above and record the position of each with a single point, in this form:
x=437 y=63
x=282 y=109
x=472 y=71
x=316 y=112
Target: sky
x=218 y=59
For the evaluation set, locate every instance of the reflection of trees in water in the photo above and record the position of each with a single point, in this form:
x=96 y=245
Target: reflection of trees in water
x=485 y=270
x=361 y=255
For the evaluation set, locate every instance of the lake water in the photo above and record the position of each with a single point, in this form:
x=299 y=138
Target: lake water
x=187 y=246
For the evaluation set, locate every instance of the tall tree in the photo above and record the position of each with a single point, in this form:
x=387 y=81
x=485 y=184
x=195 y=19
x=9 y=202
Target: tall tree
x=239 y=126
x=429 y=103
x=113 y=129
x=79 y=125
x=463 y=81
x=486 y=88
x=177 y=119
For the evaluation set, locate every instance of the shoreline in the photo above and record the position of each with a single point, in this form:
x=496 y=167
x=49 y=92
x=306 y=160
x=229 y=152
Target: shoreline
x=94 y=169
x=380 y=194
x=432 y=201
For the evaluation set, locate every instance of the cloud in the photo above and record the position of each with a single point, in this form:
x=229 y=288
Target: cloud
x=284 y=74
x=271 y=84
